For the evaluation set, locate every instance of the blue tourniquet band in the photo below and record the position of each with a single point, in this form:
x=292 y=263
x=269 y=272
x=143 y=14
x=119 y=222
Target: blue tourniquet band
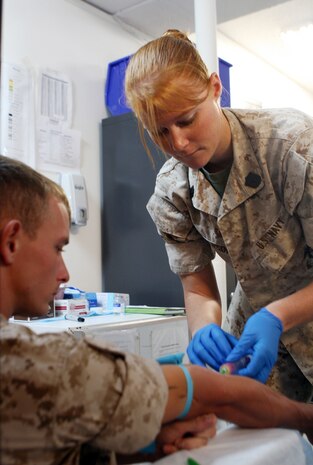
x=189 y=392
x=151 y=448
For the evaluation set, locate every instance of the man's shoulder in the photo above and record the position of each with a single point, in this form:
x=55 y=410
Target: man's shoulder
x=20 y=338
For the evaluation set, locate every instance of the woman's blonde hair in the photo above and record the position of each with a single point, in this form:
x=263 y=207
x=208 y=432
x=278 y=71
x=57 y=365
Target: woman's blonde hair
x=166 y=74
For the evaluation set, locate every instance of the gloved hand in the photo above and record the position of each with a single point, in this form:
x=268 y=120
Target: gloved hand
x=210 y=346
x=260 y=338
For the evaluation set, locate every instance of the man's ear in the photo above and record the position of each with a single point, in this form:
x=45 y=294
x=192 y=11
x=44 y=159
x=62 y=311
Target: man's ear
x=215 y=85
x=9 y=241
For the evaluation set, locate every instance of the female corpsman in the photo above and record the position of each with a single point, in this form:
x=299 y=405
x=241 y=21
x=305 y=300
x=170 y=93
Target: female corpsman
x=239 y=183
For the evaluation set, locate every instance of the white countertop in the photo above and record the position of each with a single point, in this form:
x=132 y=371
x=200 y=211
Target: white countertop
x=110 y=321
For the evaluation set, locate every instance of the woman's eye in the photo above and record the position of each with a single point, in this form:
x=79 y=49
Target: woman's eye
x=162 y=131
x=185 y=122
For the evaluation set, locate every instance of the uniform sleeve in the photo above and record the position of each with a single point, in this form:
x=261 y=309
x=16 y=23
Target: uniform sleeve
x=170 y=209
x=298 y=186
x=58 y=393
x=113 y=399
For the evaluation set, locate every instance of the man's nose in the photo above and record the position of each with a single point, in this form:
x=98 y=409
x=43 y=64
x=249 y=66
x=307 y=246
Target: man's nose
x=64 y=275
x=178 y=138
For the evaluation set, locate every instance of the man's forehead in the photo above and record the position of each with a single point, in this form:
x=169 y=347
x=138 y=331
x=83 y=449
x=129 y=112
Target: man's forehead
x=57 y=216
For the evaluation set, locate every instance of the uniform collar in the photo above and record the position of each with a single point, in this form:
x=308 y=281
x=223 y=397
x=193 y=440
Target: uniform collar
x=245 y=177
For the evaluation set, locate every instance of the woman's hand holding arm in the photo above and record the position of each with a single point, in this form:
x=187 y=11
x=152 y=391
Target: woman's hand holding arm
x=263 y=330
x=210 y=345
x=260 y=338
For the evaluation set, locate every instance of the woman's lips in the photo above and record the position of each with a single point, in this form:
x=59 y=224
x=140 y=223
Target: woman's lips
x=190 y=154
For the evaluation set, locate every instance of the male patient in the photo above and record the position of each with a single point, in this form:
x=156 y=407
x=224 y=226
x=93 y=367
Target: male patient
x=58 y=393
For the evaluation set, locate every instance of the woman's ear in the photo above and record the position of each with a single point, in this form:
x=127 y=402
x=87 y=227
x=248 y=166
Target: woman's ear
x=215 y=85
x=9 y=241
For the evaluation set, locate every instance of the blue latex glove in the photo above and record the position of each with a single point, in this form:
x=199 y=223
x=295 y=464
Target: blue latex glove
x=260 y=338
x=210 y=346
x=172 y=359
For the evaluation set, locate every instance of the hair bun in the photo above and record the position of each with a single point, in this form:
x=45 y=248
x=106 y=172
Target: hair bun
x=176 y=34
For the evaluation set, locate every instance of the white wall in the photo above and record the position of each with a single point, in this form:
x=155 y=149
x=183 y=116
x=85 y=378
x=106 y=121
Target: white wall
x=73 y=38
x=254 y=83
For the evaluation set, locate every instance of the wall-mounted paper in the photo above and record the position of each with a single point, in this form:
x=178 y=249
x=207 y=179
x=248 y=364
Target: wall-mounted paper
x=17 y=110
x=57 y=144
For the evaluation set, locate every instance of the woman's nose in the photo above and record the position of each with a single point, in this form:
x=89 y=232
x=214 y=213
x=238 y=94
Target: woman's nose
x=178 y=138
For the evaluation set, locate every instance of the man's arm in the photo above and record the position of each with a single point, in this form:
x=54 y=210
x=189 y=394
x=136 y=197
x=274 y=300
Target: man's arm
x=242 y=401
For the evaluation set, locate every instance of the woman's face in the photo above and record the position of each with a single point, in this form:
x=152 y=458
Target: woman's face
x=201 y=136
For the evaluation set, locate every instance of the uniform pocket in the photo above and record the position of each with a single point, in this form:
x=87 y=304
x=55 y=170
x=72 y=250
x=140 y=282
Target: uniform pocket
x=278 y=243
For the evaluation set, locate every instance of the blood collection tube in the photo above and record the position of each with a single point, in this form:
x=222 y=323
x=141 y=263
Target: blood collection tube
x=231 y=368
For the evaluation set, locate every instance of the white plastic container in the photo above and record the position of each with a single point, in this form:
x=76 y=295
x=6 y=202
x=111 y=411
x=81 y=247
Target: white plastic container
x=107 y=300
x=119 y=304
x=78 y=307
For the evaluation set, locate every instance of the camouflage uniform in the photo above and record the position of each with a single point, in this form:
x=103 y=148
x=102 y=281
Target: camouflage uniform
x=58 y=393
x=262 y=226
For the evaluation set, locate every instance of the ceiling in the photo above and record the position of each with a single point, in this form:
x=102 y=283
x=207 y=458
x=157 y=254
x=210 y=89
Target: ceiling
x=254 y=24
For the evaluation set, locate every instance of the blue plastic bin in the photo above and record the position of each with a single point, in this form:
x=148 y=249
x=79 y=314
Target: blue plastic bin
x=224 y=68
x=115 y=99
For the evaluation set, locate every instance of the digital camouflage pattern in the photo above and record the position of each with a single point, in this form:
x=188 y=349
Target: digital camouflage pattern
x=262 y=226
x=58 y=393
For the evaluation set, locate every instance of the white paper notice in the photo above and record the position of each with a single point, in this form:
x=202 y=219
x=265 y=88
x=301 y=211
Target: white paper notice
x=55 y=98
x=57 y=144
x=16 y=112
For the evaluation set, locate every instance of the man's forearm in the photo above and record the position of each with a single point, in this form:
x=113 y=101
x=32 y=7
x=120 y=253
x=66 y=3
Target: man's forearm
x=249 y=403
x=239 y=400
